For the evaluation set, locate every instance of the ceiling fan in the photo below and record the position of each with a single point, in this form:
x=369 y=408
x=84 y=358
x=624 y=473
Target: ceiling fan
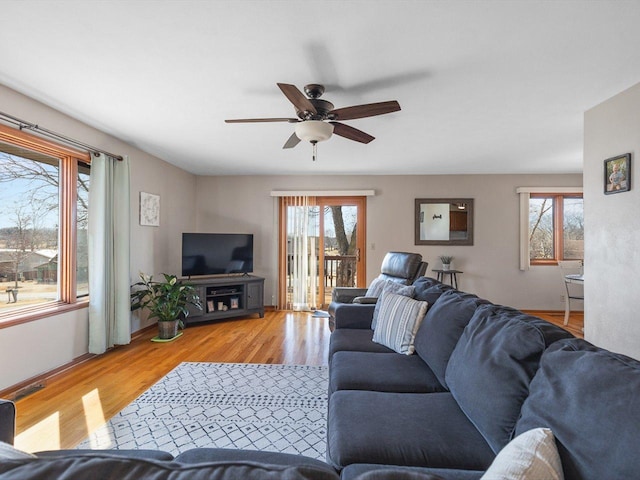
x=317 y=119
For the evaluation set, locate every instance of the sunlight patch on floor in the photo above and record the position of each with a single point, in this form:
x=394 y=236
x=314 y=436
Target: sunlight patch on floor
x=93 y=412
x=44 y=435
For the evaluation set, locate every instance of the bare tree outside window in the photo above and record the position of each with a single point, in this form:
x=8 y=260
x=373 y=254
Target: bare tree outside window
x=541 y=244
x=29 y=221
x=556 y=228
x=573 y=229
x=345 y=242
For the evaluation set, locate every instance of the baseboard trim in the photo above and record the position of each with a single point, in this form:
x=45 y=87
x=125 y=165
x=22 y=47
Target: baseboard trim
x=17 y=391
x=552 y=312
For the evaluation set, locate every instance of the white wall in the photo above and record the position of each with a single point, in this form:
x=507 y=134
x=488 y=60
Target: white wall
x=491 y=269
x=612 y=227
x=34 y=348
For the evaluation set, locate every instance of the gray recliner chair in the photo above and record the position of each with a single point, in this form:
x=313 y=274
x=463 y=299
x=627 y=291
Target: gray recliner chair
x=401 y=267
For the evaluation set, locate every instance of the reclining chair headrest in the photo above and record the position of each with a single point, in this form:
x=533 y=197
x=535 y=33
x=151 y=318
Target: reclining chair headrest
x=401 y=265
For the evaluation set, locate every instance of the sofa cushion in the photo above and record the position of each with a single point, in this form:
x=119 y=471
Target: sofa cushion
x=412 y=429
x=532 y=455
x=492 y=365
x=354 y=340
x=125 y=452
x=588 y=397
x=442 y=327
x=200 y=455
x=398 y=322
x=391 y=287
x=429 y=289
x=381 y=372
x=390 y=473
x=103 y=465
x=397 y=472
x=10 y=452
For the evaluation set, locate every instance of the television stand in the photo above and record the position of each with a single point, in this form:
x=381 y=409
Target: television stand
x=227 y=297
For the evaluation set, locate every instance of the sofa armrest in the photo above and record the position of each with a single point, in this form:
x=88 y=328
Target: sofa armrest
x=353 y=315
x=7 y=421
x=366 y=300
x=347 y=294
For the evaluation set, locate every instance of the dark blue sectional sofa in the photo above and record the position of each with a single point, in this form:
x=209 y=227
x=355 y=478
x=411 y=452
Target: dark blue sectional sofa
x=481 y=375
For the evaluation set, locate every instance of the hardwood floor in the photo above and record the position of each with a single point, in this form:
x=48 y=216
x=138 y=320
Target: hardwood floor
x=80 y=399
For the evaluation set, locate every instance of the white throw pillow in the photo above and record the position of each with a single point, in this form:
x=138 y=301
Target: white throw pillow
x=398 y=320
x=532 y=455
x=8 y=452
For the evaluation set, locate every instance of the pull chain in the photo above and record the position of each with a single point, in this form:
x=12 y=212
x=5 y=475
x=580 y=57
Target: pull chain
x=315 y=150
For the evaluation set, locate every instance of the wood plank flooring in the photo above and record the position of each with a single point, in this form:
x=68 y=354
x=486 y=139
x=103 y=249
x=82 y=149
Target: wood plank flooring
x=80 y=399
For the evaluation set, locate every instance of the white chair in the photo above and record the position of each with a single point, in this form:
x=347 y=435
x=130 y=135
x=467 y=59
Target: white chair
x=572 y=277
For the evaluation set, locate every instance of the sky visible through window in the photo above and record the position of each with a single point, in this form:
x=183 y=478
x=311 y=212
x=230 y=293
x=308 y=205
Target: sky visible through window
x=33 y=195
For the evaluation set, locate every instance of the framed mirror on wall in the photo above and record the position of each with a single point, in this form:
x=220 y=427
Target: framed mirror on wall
x=444 y=221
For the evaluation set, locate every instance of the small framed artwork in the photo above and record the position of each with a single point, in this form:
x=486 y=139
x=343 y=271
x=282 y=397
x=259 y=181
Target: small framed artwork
x=149 y=209
x=617 y=174
x=234 y=302
x=210 y=306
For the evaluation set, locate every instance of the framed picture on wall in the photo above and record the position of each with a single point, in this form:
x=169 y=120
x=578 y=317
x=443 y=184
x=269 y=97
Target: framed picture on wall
x=149 y=209
x=617 y=174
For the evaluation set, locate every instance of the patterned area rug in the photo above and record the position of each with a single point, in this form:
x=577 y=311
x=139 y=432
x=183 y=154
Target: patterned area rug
x=278 y=408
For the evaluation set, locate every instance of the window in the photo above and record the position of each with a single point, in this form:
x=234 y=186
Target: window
x=43 y=225
x=556 y=227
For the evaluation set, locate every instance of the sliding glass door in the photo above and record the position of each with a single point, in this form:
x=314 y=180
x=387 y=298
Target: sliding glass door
x=322 y=245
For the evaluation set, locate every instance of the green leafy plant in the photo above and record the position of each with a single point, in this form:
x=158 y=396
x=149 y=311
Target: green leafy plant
x=166 y=300
x=445 y=259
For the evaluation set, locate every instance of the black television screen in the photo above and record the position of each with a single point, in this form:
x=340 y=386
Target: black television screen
x=216 y=253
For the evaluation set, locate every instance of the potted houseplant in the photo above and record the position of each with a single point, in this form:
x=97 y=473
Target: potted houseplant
x=446 y=261
x=167 y=300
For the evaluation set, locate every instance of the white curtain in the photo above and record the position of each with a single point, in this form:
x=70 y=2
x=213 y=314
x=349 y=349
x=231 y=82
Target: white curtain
x=303 y=232
x=109 y=213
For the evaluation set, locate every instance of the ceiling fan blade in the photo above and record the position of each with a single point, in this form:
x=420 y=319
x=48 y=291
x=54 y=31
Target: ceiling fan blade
x=368 y=110
x=258 y=120
x=296 y=97
x=292 y=142
x=351 y=133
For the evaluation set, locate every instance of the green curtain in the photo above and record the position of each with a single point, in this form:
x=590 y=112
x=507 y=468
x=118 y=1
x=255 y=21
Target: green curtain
x=109 y=214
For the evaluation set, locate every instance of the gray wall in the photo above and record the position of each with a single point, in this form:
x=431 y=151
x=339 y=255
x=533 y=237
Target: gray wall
x=43 y=345
x=612 y=257
x=491 y=269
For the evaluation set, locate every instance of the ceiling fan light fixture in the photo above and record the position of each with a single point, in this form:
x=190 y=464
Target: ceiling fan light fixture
x=314 y=131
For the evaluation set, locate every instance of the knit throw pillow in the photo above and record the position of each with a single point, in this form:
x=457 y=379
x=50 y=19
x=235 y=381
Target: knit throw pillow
x=532 y=455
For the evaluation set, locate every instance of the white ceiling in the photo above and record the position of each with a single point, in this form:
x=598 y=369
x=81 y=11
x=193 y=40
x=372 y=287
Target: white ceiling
x=484 y=86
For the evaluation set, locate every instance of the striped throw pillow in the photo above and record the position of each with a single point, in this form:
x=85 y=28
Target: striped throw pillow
x=398 y=320
x=392 y=287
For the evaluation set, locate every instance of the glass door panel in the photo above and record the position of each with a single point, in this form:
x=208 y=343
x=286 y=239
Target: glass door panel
x=340 y=247
x=342 y=244
x=321 y=247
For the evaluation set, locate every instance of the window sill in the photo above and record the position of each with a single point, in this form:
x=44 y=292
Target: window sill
x=30 y=314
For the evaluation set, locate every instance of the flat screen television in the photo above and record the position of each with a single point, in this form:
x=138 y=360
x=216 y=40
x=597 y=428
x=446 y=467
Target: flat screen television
x=216 y=253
